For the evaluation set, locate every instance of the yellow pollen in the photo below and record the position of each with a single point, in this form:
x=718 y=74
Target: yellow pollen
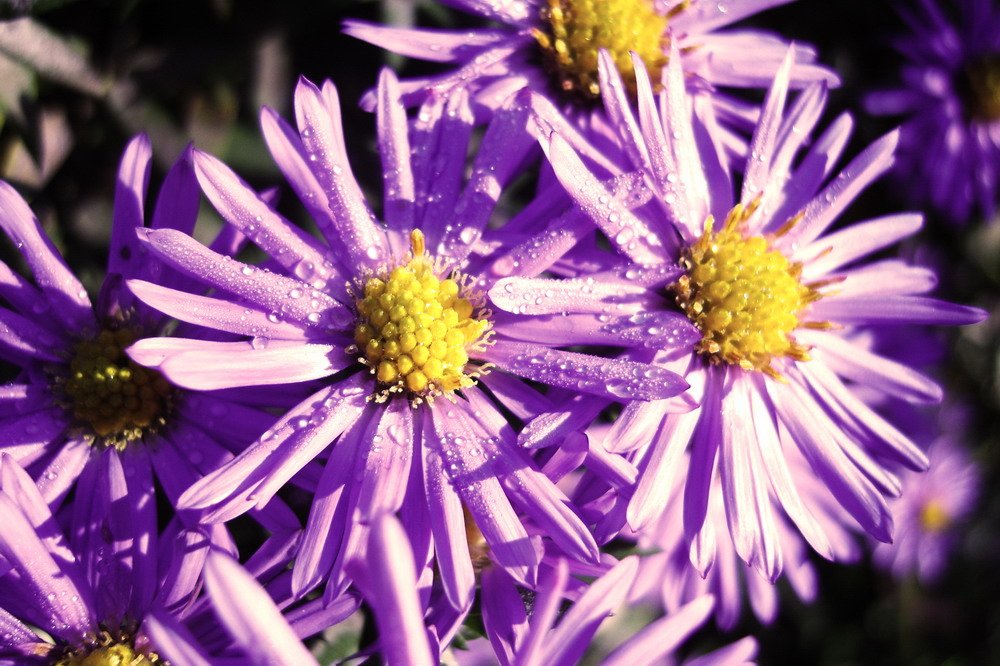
x=118 y=654
x=743 y=296
x=933 y=517
x=979 y=85
x=577 y=29
x=415 y=330
x=109 y=395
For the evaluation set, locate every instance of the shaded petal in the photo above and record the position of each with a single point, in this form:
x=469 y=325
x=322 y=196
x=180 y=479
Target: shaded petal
x=659 y=638
x=173 y=640
x=60 y=286
x=130 y=195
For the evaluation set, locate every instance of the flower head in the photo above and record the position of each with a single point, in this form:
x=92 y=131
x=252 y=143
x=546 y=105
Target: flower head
x=552 y=46
x=420 y=379
x=930 y=513
x=949 y=152
x=778 y=307
x=78 y=398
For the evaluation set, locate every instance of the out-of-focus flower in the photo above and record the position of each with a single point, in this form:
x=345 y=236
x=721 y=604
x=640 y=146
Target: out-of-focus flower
x=775 y=301
x=80 y=412
x=394 y=319
x=545 y=636
x=949 y=151
x=551 y=46
x=930 y=513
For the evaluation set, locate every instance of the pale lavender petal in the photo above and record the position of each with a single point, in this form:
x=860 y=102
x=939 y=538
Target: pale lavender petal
x=173 y=641
x=534 y=296
x=242 y=207
x=261 y=288
x=318 y=117
x=392 y=584
x=615 y=378
x=387 y=462
x=57 y=282
x=655 y=484
x=893 y=309
x=213 y=365
x=433 y=45
x=394 y=149
x=658 y=639
x=250 y=615
x=130 y=195
x=765 y=136
x=216 y=313
x=842 y=247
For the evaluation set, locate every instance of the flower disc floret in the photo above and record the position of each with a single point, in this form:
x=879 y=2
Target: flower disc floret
x=107 y=649
x=415 y=329
x=108 y=394
x=744 y=296
x=980 y=86
x=575 y=30
x=934 y=516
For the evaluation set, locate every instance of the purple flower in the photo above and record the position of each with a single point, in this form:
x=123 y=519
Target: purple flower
x=778 y=306
x=519 y=635
x=418 y=372
x=552 y=46
x=78 y=400
x=949 y=152
x=930 y=513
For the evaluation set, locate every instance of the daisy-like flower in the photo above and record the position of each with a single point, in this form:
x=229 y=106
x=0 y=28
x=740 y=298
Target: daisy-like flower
x=949 y=95
x=118 y=598
x=545 y=637
x=931 y=511
x=78 y=400
x=776 y=302
x=551 y=46
x=419 y=376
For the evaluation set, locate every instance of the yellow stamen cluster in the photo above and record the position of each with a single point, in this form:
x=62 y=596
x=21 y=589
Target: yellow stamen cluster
x=982 y=87
x=575 y=30
x=743 y=296
x=415 y=329
x=107 y=649
x=109 y=395
x=933 y=517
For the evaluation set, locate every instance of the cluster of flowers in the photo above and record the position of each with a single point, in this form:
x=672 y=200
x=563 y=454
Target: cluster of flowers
x=675 y=344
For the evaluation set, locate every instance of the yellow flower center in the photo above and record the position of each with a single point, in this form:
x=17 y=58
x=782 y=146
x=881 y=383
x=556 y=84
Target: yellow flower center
x=118 y=654
x=933 y=517
x=743 y=296
x=575 y=30
x=108 y=394
x=415 y=330
x=980 y=86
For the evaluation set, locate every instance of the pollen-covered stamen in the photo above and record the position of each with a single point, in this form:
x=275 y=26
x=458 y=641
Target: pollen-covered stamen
x=979 y=85
x=109 y=649
x=415 y=329
x=110 y=396
x=934 y=517
x=744 y=296
x=575 y=30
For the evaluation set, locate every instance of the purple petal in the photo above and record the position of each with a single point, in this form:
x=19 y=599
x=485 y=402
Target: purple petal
x=250 y=615
x=886 y=310
x=392 y=585
x=615 y=378
x=130 y=195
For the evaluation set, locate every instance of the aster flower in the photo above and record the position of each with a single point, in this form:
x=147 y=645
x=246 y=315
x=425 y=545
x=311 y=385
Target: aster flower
x=77 y=399
x=930 y=513
x=418 y=375
x=949 y=153
x=776 y=303
x=547 y=637
x=551 y=46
